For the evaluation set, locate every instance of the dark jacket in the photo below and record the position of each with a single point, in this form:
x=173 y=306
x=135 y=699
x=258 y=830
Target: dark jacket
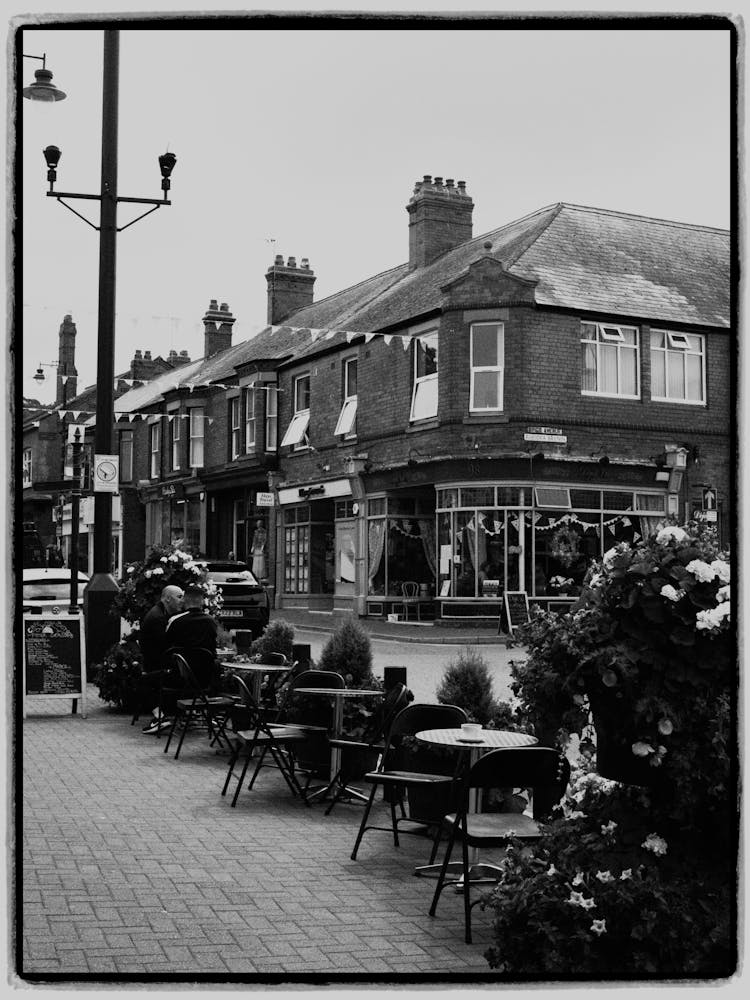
x=151 y=637
x=192 y=630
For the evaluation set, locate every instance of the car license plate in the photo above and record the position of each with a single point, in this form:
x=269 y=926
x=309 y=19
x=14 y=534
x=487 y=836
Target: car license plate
x=231 y=613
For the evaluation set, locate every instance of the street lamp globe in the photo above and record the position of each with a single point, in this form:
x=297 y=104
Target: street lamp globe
x=42 y=89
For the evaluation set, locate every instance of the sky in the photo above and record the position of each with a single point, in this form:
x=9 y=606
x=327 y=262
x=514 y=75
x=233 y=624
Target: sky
x=307 y=142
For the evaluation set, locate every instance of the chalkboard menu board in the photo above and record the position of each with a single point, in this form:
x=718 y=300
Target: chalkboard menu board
x=516 y=609
x=53 y=660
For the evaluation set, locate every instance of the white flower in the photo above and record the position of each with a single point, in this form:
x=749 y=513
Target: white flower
x=722 y=570
x=665 y=726
x=147 y=574
x=667 y=534
x=723 y=594
x=670 y=593
x=157 y=571
x=575 y=899
x=587 y=904
x=625 y=874
x=641 y=749
x=615 y=551
x=701 y=570
x=131 y=569
x=713 y=618
x=655 y=843
x=599 y=927
x=552 y=871
x=578 y=880
x=609 y=827
x=163 y=559
x=605 y=877
x=595 y=580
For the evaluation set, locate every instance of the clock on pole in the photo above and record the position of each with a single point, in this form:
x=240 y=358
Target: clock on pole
x=106 y=473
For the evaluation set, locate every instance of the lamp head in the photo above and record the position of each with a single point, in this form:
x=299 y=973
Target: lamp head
x=39 y=377
x=52 y=156
x=42 y=89
x=166 y=164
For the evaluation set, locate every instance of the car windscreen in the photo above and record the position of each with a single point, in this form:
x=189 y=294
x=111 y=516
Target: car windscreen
x=224 y=572
x=50 y=590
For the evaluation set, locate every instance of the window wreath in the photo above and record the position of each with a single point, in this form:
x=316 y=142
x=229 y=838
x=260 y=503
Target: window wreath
x=564 y=546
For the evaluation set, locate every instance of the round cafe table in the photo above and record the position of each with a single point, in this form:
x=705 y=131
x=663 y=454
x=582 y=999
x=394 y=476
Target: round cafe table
x=338 y=695
x=254 y=673
x=486 y=739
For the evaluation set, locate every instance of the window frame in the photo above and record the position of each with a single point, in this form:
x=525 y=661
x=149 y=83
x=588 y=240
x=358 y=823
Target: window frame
x=271 y=420
x=197 y=418
x=421 y=382
x=296 y=433
x=250 y=422
x=498 y=368
x=154 y=445
x=127 y=437
x=346 y=424
x=620 y=346
x=235 y=426
x=27 y=472
x=681 y=352
x=175 y=433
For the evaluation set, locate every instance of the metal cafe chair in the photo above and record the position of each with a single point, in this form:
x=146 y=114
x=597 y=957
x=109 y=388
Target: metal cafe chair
x=313 y=716
x=251 y=733
x=536 y=768
x=402 y=769
x=194 y=706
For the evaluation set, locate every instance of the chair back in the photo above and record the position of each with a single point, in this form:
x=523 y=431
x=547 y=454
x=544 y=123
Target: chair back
x=276 y=660
x=395 y=699
x=202 y=663
x=189 y=683
x=410 y=588
x=414 y=718
x=318 y=679
x=541 y=769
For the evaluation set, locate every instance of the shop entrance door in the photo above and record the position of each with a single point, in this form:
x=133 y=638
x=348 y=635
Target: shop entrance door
x=345 y=558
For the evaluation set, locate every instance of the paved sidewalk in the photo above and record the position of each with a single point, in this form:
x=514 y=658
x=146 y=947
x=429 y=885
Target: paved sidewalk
x=463 y=633
x=133 y=865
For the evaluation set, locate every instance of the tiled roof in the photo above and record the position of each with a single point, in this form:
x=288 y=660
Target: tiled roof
x=583 y=258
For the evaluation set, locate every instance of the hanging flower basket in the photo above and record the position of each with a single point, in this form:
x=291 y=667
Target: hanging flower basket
x=564 y=546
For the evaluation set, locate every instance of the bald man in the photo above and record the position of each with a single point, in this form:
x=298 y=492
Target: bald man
x=153 y=642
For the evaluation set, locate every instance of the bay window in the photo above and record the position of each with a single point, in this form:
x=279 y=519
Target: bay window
x=197 y=419
x=154 y=438
x=424 y=398
x=678 y=371
x=250 y=419
x=487 y=366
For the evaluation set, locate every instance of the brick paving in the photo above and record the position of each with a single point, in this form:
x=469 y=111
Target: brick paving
x=132 y=865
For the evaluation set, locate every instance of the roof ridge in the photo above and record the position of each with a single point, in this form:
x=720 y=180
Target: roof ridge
x=645 y=218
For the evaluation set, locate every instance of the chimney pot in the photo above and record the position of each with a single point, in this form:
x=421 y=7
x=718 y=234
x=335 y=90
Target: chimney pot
x=183 y=354
x=427 y=179
x=147 y=356
x=438 y=221
x=223 y=307
x=305 y=263
x=449 y=182
x=214 y=304
x=279 y=260
x=292 y=262
x=462 y=187
x=138 y=354
x=438 y=182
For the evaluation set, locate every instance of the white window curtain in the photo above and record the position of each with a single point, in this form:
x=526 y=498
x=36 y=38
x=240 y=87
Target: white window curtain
x=375 y=545
x=650 y=525
x=427 y=532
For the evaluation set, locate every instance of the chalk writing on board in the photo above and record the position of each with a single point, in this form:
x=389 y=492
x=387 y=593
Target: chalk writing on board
x=53 y=656
x=516 y=608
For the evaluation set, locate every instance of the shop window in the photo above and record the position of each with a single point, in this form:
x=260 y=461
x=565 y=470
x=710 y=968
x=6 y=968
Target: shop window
x=346 y=424
x=424 y=399
x=552 y=496
x=296 y=432
x=487 y=366
x=297 y=559
x=154 y=447
x=250 y=419
x=193 y=524
x=234 y=427
x=400 y=550
x=447 y=498
x=175 y=430
x=376 y=505
x=482 y=496
x=126 y=456
x=610 y=360
x=586 y=499
x=272 y=418
x=678 y=367
x=27 y=468
x=197 y=421
x=617 y=500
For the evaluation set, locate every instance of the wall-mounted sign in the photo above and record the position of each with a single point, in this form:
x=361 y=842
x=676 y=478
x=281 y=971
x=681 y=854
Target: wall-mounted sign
x=264 y=499
x=106 y=473
x=554 y=435
x=173 y=491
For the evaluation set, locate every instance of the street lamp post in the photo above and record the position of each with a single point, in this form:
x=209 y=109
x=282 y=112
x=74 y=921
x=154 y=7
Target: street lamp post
x=102 y=628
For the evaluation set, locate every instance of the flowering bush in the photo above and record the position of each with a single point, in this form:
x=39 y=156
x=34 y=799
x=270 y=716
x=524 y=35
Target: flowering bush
x=143 y=582
x=118 y=676
x=604 y=895
x=561 y=582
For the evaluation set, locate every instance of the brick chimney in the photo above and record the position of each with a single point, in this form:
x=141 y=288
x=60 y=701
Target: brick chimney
x=439 y=219
x=143 y=367
x=176 y=360
x=67 y=376
x=290 y=288
x=217 y=329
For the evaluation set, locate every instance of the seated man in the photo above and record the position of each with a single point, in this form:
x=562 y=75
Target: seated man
x=195 y=629
x=153 y=643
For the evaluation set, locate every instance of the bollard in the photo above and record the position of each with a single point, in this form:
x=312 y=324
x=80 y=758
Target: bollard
x=301 y=655
x=243 y=639
x=392 y=676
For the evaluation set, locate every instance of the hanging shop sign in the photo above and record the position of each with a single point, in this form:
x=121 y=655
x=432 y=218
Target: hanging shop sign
x=264 y=500
x=553 y=435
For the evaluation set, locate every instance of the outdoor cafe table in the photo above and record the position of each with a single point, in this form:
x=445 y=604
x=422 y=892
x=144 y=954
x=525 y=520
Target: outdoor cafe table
x=486 y=739
x=338 y=695
x=254 y=673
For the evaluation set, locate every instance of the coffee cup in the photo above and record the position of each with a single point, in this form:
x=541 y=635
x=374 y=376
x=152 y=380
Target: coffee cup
x=471 y=729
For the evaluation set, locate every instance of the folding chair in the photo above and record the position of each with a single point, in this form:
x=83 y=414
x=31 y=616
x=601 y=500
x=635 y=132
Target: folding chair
x=537 y=768
x=195 y=706
x=360 y=756
x=313 y=716
x=401 y=770
x=251 y=733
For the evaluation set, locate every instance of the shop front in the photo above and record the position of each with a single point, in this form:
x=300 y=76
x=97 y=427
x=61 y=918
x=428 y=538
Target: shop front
x=86 y=535
x=175 y=513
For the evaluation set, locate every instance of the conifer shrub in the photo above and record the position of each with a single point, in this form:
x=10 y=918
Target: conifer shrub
x=349 y=652
x=467 y=682
x=277 y=637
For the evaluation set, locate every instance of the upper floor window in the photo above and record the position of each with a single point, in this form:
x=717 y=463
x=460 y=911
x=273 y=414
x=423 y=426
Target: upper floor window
x=272 y=418
x=347 y=418
x=678 y=369
x=249 y=419
x=610 y=360
x=197 y=420
x=487 y=366
x=234 y=424
x=175 y=431
x=126 y=456
x=154 y=439
x=27 y=472
x=296 y=432
x=424 y=397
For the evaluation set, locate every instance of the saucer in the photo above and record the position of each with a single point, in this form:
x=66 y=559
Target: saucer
x=470 y=739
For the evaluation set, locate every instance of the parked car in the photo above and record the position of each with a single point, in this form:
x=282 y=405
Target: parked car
x=245 y=601
x=47 y=589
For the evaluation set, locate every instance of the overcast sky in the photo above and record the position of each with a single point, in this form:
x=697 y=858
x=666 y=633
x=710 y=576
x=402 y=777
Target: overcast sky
x=313 y=139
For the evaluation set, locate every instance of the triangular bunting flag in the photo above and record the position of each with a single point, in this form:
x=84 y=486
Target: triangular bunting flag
x=636 y=536
x=405 y=341
x=627 y=522
x=387 y=338
x=368 y=337
x=350 y=335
